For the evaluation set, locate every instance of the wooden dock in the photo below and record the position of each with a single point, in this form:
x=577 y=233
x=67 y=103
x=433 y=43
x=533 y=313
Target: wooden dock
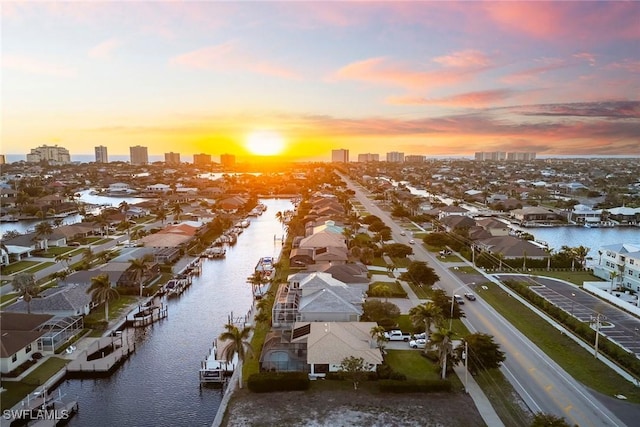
x=103 y=356
x=147 y=314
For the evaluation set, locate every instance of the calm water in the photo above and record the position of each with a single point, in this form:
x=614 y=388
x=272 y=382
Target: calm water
x=158 y=385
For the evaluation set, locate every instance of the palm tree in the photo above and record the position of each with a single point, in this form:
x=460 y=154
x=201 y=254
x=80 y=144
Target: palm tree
x=581 y=253
x=377 y=332
x=443 y=343
x=161 y=214
x=176 y=210
x=257 y=280
x=238 y=344
x=427 y=314
x=123 y=206
x=140 y=267
x=44 y=229
x=103 y=222
x=87 y=255
x=64 y=258
x=102 y=292
x=613 y=275
x=26 y=287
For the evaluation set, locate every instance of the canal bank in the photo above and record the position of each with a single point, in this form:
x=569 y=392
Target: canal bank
x=159 y=384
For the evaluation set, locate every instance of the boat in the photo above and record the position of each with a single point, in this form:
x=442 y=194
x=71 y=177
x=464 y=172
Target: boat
x=215 y=252
x=215 y=369
x=260 y=291
x=265 y=266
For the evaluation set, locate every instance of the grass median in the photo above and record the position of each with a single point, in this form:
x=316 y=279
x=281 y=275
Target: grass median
x=579 y=363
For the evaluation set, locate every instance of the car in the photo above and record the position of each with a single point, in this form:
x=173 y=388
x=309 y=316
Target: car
x=402 y=233
x=470 y=296
x=419 y=343
x=73 y=244
x=412 y=242
x=419 y=336
x=458 y=299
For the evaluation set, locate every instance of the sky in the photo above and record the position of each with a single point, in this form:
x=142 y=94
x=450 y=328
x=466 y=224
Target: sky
x=420 y=77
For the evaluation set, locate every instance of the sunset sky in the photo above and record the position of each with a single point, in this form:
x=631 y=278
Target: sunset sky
x=431 y=78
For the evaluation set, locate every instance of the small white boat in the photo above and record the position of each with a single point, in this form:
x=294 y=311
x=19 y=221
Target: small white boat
x=215 y=369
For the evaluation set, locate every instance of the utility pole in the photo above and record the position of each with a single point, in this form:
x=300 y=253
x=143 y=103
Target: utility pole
x=465 y=355
x=597 y=324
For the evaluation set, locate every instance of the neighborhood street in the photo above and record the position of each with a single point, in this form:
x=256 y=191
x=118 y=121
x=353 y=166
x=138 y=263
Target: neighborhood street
x=542 y=384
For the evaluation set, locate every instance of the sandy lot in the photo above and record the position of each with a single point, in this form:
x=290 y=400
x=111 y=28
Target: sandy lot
x=333 y=408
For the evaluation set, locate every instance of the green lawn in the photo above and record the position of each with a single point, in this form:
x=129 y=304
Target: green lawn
x=116 y=308
x=401 y=262
x=412 y=364
x=16 y=391
x=18 y=266
x=38 y=267
x=450 y=258
x=466 y=270
x=503 y=397
x=575 y=277
x=54 y=251
x=570 y=356
x=421 y=292
x=395 y=289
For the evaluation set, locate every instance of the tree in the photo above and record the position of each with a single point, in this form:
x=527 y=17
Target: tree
x=397 y=250
x=419 y=272
x=355 y=369
x=64 y=258
x=177 y=211
x=549 y=420
x=140 y=268
x=581 y=253
x=483 y=352
x=381 y=290
x=44 y=230
x=425 y=314
x=87 y=255
x=238 y=344
x=613 y=275
x=386 y=314
x=257 y=280
x=377 y=332
x=442 y=341
x=102 y=292
x=26 y=287
x=161 y=214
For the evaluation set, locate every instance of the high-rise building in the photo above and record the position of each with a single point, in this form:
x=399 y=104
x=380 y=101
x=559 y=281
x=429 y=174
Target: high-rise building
x=2 y=159
x=172 y=158
x=414 y=159
x=521 y=156
x=202 y=159
x=368 y=157
x=341 y=155
x=101 y=154
x=395 y=157
x=139 y=155
x=491 y=155
x=52 y=154
x=227 y=160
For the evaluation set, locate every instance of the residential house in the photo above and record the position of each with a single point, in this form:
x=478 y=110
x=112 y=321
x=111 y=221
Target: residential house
x=511 y=247
x=623 y=259
x=625 y=215
x=532 y=215
x=21 y=334
x=63 y=301
x=493 y=226
x=582 y=214
x=21 y=246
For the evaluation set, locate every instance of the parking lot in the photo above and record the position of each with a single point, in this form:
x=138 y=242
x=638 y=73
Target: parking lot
x=616 y=324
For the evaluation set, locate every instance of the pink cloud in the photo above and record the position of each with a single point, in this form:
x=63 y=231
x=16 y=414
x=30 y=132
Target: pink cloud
x=469 y=99
x=630 y=65
x=532 y=74
x=558 y=21
x=36 y=66
x=104 y=50
x=458 y=66
x=226 y=57
x=464 y=59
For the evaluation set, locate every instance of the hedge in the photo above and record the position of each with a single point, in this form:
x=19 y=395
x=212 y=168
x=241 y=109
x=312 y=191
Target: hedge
x=265 y=382
x=426 y=386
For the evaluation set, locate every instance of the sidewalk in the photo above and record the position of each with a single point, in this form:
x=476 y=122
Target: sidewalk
x=480 y=399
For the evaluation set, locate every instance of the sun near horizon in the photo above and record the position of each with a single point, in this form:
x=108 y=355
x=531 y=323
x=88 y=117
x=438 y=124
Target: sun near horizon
x=265 y=143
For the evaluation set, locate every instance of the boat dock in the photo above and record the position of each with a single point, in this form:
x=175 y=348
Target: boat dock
x=40 y=409
x=103 y=356
x=147 y=314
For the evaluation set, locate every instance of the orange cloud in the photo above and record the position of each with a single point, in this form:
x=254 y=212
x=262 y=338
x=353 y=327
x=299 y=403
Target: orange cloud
x=464 y=59
x=226 y=57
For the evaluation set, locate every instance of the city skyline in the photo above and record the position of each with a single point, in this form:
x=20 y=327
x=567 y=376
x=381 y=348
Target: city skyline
x=426 y=78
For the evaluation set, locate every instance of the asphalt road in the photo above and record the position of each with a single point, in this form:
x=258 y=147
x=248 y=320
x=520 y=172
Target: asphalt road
x=542 y=384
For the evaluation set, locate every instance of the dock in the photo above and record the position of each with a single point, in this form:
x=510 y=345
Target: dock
x=103 y=356
x=40 y=409
x=147 y=314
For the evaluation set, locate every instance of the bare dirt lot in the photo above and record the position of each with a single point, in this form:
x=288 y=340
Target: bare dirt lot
x=333 y=408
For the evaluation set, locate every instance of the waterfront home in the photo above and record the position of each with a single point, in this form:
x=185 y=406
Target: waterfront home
x=623 y=259
x=451 y=210
x=63 y=301
x=323 y=239
x=21 y=334
x=454 y=222
x=625 y=215
x=232 y=204
x=321 y=296
x=511 y=247
x=158 y=188
x=583 y=214
x=330 y=255
x=118 y=188
x=76 y=231
x=493 y=226
x=532 y=215
x=329 y=343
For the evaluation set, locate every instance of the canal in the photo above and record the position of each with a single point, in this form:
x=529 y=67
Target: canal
x=158 y=385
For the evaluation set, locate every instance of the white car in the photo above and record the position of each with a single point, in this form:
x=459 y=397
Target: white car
x=412 y=242
x=419 y=343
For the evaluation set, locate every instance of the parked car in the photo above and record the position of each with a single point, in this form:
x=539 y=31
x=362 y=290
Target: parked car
x=458 y=299
x=420 y=336
x=402 y=233
x=470 y=296
x=419 y=343
x=396 y=335
x=412 y=242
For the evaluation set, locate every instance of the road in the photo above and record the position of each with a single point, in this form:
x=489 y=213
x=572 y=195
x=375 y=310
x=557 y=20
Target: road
x=542 y=384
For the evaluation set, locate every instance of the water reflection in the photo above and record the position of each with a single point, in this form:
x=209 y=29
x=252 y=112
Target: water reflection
x=159 y=384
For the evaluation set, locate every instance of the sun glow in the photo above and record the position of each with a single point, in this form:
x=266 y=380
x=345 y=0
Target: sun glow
x=264 y=143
